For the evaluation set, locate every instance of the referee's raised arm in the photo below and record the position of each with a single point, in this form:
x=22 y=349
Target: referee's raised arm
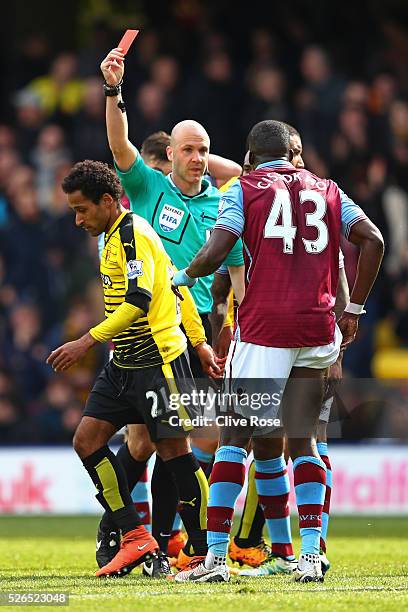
x=113 y=68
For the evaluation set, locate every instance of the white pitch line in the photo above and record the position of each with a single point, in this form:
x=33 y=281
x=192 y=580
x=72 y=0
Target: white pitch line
x=283 y=591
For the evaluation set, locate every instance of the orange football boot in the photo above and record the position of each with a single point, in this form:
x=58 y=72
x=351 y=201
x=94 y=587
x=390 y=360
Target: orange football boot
x=177 y=541
x=136 y=547
x=253 y=556
x=183 y=560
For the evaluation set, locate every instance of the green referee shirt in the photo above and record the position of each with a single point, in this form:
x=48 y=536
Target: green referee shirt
x=182 y=222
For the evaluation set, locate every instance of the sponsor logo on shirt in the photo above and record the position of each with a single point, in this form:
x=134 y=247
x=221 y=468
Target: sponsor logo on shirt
x=170 y=218
x=134 y=268
x=106 y=280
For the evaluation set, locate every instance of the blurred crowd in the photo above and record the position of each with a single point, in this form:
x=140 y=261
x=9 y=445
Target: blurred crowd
x=349 y=104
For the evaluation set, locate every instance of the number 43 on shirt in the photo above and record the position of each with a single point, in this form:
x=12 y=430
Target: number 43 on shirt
x=286 y=231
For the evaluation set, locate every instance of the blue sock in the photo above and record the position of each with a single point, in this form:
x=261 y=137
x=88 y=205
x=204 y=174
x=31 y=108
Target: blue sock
x=310 y=488
x=323 y=452
x=227 y=479
x=177 y=523
x=272 y=484
x=141 y=499
x=202 y=457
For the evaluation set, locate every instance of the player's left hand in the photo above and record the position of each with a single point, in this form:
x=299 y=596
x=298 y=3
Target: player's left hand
x=221 y=361
x=334 y=376
x=348 y=324
x=70 y=353
x=177 y=292
x=208 y=360
x=336 y=370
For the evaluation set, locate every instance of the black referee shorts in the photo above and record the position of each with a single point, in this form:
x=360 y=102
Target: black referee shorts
x=124 y=396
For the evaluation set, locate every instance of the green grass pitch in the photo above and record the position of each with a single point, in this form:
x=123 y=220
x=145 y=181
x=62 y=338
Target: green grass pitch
x=369 y=571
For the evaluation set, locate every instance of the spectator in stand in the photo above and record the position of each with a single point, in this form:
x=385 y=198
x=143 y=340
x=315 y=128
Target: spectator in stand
x=350 y=150
x=11 y=412
x=148 y=47
x=60 y=91
x=23 y=243
x=89 y=134
x=383 y=92
x=79 y=319
x=267 y=87
x=398 y=139
x=59 y=410
x=22 y=351
x=10 y=419
x=7 y=137
x=356 y=95
x=50 y=152
x=150 y=113
x=9 y=162
x=264 y=49
x=29 y=121
x=21 y=179
x=32 y=60
x=97 y=40
x=8 y=294
x=165 y=72
x=320 y=98
x=214 y=98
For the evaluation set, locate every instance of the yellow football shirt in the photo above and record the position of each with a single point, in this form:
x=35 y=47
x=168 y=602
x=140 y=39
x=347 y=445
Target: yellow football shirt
x=135 y=268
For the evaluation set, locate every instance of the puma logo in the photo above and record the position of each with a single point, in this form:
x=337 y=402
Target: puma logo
x=130 y=244
x=189 y=503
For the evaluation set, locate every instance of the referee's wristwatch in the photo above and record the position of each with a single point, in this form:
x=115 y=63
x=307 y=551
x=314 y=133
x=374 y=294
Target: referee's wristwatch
x=112 y=90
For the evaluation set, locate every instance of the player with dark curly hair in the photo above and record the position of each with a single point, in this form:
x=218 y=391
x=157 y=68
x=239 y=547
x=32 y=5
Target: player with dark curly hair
x=93 y=179
x=149 y=364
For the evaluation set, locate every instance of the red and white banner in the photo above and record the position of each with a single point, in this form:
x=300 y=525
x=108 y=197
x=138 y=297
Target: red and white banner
x=366 y=480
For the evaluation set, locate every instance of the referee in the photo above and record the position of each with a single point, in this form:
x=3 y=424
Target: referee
x=183 y=206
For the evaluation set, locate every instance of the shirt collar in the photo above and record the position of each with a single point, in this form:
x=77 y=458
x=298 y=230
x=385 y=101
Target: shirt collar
x=204 y=192
x=115 y=225
x=277 y=164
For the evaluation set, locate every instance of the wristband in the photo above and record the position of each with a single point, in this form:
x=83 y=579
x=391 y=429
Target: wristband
x=112 y=90
x=355 y=309
x=182 y=278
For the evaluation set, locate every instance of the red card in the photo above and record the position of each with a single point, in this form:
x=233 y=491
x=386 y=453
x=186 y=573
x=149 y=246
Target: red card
x=127 y=39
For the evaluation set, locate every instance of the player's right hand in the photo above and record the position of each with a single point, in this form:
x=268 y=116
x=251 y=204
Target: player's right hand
x=348 y=324
x=113 y=67
x=208 y=360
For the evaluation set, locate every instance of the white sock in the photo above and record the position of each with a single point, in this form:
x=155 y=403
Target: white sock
x=212 y=560
x=308 y=558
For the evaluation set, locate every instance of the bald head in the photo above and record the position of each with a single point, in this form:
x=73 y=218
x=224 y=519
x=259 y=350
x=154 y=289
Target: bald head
x=188 y=152
x=188 y=129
